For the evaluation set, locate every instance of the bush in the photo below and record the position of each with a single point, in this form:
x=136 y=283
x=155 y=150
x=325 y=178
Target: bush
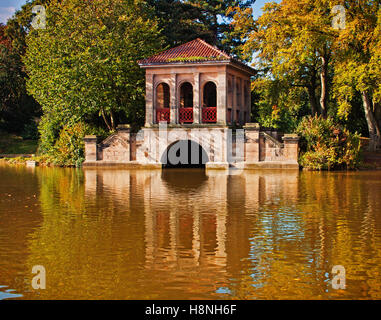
x=325 y=145
x=62 y=139
x=49 y=129
x=69 y=148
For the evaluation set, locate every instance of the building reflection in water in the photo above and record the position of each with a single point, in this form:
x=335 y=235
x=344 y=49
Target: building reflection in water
x=196 y=226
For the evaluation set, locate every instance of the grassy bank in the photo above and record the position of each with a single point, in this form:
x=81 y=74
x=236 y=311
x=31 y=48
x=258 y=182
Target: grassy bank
x=41 y=160
x=13 y=144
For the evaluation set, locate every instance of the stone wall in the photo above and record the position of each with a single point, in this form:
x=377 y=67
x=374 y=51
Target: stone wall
x=146 y=148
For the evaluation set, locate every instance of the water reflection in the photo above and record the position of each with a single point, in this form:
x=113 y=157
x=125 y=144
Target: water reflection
x=8 y=293
x=185 y=234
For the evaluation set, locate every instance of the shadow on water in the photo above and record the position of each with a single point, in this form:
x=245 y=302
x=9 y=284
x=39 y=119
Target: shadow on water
x=184 y=179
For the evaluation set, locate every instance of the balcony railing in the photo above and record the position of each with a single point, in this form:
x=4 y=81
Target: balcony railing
x=209 y=115
x=186 y=115
x=163 y=115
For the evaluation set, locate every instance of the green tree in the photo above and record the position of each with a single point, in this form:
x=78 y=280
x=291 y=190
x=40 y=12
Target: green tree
x=84 y=64
x=178 y=21
x=17 y=108
x=19 y=25
x=182 y=21
x=216 y=16
x=279 y=105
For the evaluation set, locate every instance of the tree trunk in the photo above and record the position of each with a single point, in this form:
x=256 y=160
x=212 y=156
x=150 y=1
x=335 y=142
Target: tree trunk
x=105 y=120
x=377 y=112
x=323 y=79
x=374 y=130
x=312 y=99
x=112 y=119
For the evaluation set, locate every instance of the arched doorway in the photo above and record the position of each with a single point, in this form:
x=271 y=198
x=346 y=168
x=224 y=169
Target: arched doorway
x=184 y=154
x=162 y=103
x=186 y=103
x=209 y=105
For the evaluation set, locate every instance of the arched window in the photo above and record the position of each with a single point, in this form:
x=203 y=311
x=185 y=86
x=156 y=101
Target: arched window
x=186 y=95
x=210 y=95
x=162 y=96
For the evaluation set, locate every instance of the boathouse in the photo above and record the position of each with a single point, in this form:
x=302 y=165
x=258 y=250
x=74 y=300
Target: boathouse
x=198 y=101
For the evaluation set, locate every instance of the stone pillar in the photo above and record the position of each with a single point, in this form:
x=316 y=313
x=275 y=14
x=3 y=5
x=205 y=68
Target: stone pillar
x=124 y=133
x=196 y=99
x=234 y=100
x=218 y=140
x=173 y=98
x=251 y=142
x=91 y=148
x=291 y=147
x=242 y=104
x=150 y=112
x=222 y=97
x=248 y=106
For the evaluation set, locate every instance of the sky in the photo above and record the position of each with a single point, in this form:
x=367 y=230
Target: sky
x=8 y=8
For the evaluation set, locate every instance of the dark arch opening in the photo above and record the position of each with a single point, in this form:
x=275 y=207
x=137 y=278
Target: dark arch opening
x=162 y=96
x=184 y=154
x=186 y=95
x=210 y=95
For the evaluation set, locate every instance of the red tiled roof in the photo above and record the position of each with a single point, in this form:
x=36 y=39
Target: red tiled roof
x=193 y=51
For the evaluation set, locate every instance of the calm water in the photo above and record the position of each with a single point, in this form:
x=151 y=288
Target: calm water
x=182 y=234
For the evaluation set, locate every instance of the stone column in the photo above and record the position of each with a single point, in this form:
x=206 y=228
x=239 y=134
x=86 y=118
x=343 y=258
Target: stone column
x=91 y=148
x=234 y=100
x=242 y=105
x=222 y=97
x=150 y=112
x=291 y=147
x=248 y=106
x=196 y=99
x=173 y=98
x=124 y=133
x=251 y=142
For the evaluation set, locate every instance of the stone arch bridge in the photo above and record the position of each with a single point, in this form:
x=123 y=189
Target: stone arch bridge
x=217 y=147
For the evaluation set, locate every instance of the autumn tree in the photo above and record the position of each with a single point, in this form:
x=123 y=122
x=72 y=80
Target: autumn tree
x=292 y=41
x=358 y=63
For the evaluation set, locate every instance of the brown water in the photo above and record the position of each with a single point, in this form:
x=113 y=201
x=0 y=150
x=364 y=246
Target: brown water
x=182 y=234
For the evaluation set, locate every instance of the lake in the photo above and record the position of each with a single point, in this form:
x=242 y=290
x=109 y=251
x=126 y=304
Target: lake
x=189 y=234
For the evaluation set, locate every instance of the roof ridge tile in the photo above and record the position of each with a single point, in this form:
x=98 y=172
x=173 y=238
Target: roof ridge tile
x=191 y=49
